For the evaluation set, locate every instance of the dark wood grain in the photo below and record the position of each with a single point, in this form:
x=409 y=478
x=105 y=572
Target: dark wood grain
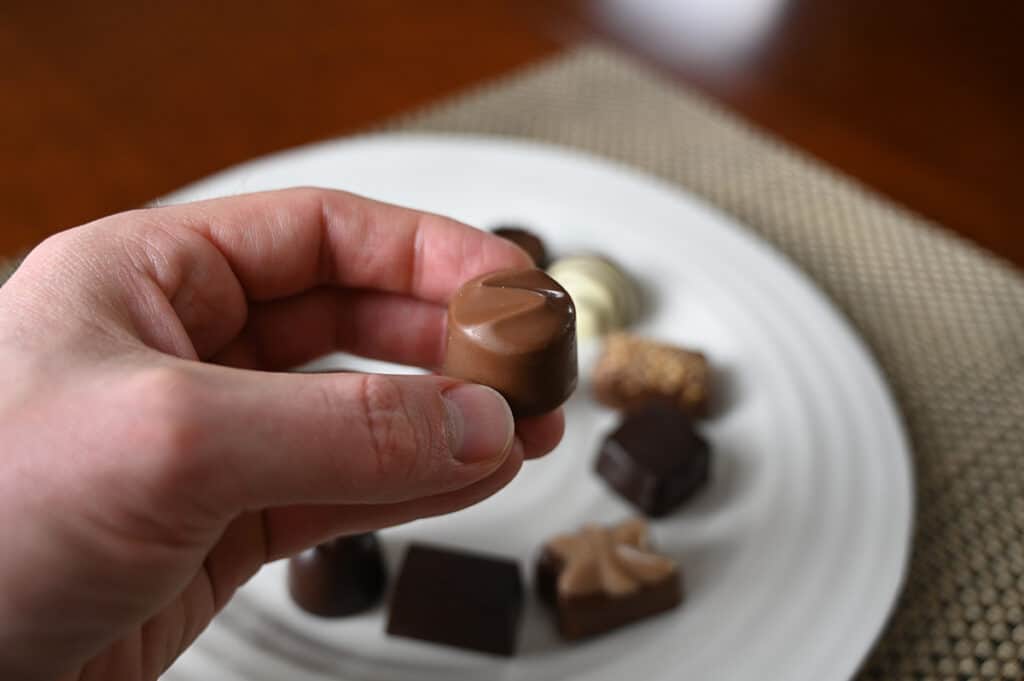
x=108 y=105
x=114 y=103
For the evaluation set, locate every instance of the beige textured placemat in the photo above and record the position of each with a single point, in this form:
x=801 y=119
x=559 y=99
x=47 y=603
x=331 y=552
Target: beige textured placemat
x=945 y=320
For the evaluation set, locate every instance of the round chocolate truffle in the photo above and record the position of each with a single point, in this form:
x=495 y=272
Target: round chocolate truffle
x=606 y=297
x=342 y=577
x=515 y=331
x=526 y=240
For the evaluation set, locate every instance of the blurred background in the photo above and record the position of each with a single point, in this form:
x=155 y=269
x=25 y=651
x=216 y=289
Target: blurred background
x=106 y=106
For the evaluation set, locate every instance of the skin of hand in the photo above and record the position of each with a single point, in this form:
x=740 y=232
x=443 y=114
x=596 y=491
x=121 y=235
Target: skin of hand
x=155 y=451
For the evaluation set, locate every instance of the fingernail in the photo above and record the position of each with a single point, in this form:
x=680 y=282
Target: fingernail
x=481 y=423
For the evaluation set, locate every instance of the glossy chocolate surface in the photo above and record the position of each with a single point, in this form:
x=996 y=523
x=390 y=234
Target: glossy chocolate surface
x=515 y=331
x=342 y=577
x=456 y=598
x=526 y=240
x=655 y=459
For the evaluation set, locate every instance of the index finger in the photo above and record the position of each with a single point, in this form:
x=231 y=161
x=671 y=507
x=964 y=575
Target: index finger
x=280 y=243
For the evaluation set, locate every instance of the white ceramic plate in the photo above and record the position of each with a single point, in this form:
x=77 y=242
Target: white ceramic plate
x=795 y=553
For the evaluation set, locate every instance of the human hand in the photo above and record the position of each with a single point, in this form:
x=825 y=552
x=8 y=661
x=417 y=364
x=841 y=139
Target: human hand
x=152 y=460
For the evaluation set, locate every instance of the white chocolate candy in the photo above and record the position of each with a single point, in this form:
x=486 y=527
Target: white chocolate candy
x=591 y=321
x=605 y=297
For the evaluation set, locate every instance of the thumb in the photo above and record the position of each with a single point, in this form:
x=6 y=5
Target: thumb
x=257 y=440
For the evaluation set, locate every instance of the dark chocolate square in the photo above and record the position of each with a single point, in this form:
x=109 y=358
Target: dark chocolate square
x=456 y=598
x=655 y=459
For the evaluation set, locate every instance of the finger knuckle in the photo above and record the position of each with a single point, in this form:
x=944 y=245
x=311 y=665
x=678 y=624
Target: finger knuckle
x=396 y=436
x=168 y=402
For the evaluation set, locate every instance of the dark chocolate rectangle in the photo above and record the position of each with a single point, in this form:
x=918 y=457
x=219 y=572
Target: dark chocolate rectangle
x=456 y=598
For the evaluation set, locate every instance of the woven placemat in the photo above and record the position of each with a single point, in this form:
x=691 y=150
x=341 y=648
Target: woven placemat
x=945 y=320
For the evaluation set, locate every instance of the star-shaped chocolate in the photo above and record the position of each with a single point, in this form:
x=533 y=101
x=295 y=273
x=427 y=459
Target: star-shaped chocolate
x=601 y=578
x=615 y=560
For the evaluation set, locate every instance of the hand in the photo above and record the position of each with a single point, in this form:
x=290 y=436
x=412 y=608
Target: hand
x=150 y=458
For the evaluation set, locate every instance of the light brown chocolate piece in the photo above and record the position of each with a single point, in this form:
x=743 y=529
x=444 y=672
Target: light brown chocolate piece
x=602 y=578
x=633 y=372
x=612 y=560
x=515 y=331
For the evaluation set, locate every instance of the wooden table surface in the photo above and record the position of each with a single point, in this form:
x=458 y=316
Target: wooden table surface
x=108 y=105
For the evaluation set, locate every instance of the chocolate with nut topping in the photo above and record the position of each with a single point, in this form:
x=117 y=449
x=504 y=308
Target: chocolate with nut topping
x=634 y=371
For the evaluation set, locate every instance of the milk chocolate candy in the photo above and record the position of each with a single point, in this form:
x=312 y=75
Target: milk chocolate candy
x=342 y=577
x=655 y=459
x=526 y=240
x=602 y=578
x=457 y=598
x=633 y=371
x=515 y=331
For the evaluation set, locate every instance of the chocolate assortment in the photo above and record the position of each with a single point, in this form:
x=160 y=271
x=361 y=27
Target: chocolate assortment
x=526 y=240
x=342 y=577
x=633 y=371
x=457 y=598
x=515 y=331
x=655 y=459
x=602 y=578
x=605 y=296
